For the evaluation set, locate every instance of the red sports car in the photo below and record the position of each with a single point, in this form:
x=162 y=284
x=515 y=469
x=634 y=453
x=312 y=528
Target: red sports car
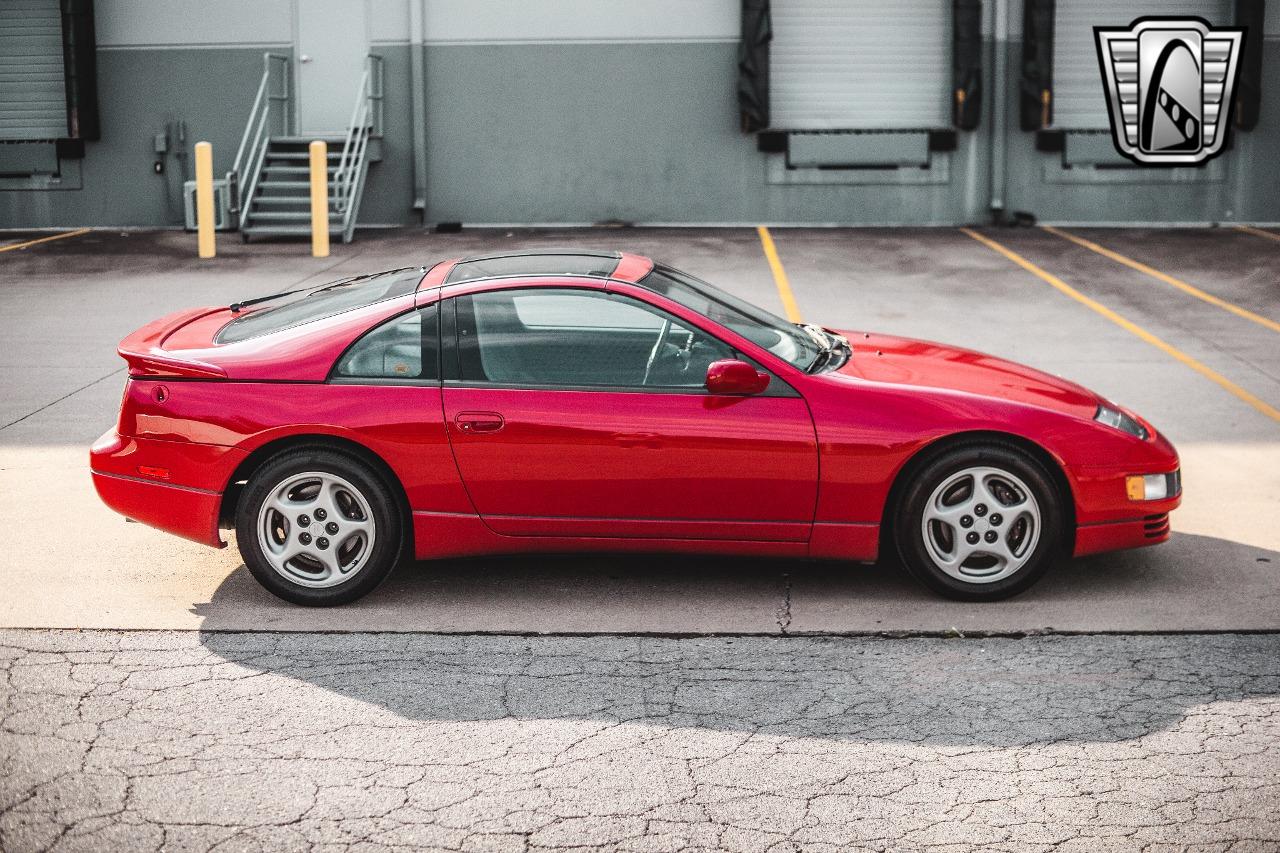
x=578 y=400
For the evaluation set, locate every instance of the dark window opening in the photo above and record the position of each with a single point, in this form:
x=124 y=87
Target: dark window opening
x=404 y=347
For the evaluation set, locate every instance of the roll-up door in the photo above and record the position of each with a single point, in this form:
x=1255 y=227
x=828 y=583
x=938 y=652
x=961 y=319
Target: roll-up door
x=33 y=95
x=855 y=64
x=1079 y=102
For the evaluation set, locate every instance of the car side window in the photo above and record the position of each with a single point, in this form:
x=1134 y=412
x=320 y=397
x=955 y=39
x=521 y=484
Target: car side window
x=404 y=347
x=578 y=338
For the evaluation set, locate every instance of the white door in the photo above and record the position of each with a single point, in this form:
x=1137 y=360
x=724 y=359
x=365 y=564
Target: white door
x=333 y=40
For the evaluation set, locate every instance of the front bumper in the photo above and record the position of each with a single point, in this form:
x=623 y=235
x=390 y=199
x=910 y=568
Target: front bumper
x=173 y=486
x=1119 y=535
x=1108 y=520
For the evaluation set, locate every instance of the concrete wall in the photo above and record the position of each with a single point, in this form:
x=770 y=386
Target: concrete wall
x=610 y=110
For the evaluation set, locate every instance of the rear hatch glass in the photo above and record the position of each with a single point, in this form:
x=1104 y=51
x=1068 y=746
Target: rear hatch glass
x=303 y=306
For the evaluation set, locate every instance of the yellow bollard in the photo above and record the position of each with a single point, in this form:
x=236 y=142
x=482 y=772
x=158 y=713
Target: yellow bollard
x=319 y=199
x=204 y=200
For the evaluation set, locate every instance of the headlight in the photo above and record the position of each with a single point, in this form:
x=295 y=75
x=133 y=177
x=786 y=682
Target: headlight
x=1153 y=487
x=1121 y=421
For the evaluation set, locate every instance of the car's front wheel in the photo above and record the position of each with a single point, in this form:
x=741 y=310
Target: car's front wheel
x=979 y=522
x=318 y=528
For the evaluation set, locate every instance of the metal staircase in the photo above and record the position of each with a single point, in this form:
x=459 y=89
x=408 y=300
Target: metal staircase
x=269 y=184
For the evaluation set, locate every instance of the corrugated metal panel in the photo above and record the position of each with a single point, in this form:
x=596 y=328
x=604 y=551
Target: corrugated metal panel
x=1079 y=101
x=33 y=97
x=855 y=64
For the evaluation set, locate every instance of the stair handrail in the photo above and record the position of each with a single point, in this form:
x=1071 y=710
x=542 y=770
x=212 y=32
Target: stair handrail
x=258 y=130
x=366 y=121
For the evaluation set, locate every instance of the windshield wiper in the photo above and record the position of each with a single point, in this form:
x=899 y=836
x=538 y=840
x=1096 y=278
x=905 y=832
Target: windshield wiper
x=244 y=303
x=236 y=307
x=828 y=345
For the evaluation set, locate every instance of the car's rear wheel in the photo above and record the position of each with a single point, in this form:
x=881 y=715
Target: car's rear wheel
x=979 y=522
x=318 y=528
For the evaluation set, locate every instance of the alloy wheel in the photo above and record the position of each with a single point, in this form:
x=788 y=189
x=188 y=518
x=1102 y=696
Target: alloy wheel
x=981 y=524
x=316 y=529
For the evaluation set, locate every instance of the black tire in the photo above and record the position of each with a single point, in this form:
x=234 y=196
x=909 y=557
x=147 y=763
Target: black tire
x=909 y=535
x=388 y=527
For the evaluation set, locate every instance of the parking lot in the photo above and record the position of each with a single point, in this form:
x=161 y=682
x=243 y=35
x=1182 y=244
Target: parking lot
x=74 y=564
x=138 y=668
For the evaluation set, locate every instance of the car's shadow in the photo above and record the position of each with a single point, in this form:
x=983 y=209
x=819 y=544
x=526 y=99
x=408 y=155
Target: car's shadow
x=996 y=691
x=1191 y=583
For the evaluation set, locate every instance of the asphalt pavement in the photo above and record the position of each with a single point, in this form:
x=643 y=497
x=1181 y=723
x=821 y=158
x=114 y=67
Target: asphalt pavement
x=384 y=742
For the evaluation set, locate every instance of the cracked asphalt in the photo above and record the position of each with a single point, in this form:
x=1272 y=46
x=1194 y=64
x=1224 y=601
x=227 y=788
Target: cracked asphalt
x=233 y=741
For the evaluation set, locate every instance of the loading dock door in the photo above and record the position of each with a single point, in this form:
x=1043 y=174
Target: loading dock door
x=860 y=65
x=1079 y=102
x=33 y=94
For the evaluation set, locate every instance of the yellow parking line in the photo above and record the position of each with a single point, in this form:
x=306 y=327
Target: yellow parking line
x=1249 y=229
x=779 y=275
x=1168 y=279
x=1188 y=289
x=1128 y=325
x=75 y=233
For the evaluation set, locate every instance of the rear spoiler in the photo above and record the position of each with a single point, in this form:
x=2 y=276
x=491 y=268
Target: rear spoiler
x=143 y=350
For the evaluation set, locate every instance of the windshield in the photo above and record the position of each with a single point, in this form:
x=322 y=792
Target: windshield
x=785 y=340
x=303 y=306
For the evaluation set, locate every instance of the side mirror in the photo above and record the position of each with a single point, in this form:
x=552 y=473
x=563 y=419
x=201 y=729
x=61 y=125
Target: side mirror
x=730 y=376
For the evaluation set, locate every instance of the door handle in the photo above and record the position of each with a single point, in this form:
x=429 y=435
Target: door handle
x=479 y=422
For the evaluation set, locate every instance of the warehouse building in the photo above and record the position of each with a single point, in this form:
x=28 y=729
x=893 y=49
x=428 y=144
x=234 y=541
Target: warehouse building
x=588 y=111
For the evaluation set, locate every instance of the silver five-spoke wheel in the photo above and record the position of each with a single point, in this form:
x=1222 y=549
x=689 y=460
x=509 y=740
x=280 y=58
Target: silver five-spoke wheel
x=981 y=524
x=316 y=529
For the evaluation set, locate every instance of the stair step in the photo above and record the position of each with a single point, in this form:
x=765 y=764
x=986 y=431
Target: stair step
x=282 y=199
x=289 y=216
x=300 y=155
x=307 y=140
x=284 y=185
x=288 y=229
x=295 y=170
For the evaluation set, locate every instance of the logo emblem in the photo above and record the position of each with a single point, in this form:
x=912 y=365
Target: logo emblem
x=1169 y=83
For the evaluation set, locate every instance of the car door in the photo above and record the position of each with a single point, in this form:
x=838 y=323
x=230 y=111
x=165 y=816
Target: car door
x=568 y=417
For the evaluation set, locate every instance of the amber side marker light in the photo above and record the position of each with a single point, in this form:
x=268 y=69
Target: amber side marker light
x=156 y=473
x=1148 y=487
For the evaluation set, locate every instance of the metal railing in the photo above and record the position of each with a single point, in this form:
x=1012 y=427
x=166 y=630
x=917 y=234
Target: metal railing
x=366 y=122
x=272 y=109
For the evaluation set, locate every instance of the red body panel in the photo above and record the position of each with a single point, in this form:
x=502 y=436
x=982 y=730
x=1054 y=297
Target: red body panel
x=599 y=463
x=399 y=423
x=172 y=504
x=487 y=469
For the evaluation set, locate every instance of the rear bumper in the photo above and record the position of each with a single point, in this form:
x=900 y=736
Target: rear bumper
x=173 y=486
x=189 y=513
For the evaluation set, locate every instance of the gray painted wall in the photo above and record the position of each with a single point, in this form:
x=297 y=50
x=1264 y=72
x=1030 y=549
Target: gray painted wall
x=141 y=90
x=587 y=128
x=644 y=133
